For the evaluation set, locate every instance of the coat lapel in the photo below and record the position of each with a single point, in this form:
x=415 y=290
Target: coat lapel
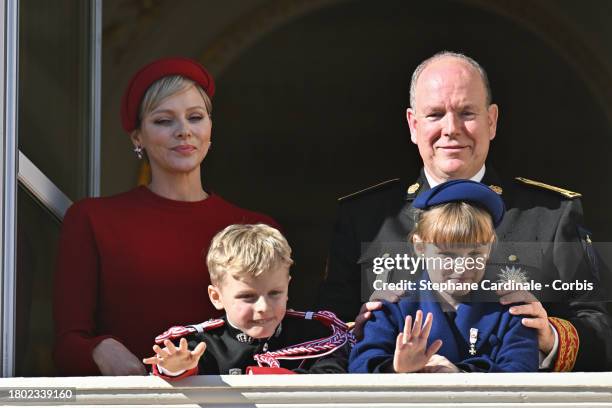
x=441 y=328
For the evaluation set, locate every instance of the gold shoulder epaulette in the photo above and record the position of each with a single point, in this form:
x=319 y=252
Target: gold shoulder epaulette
x=371 y=188
x=562 y=191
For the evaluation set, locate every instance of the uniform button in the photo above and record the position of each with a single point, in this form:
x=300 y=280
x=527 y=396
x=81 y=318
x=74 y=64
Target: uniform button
x=513 y=258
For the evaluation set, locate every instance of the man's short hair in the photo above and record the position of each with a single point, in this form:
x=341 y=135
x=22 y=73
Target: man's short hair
x=245 y=250
x=443 y=54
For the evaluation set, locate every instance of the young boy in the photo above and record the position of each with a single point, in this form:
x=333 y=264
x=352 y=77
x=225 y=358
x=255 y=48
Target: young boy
x=453 y=235
x=249 y=274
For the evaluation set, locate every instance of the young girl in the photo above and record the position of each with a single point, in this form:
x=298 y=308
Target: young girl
x=454 y=235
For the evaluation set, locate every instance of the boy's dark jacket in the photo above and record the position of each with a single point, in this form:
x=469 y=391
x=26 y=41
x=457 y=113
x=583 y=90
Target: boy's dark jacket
x=230 y=351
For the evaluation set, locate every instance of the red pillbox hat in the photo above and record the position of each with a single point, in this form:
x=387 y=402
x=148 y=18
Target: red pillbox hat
x=149 y=74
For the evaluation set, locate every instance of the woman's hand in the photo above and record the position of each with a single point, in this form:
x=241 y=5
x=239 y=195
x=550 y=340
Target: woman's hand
x=176 y=359
x=411 y=354
x=439 y=364
x=113 y=358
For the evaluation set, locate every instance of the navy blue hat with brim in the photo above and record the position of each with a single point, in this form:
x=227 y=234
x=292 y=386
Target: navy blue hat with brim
x=463 y=190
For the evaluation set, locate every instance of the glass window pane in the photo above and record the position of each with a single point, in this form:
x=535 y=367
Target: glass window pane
x=54 y=76
x=37 y=238
x=53 y=90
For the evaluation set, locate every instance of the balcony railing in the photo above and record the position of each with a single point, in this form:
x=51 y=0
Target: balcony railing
x=367 y=390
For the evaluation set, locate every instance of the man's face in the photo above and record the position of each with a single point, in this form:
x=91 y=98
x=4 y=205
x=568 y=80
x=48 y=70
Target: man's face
x=451 y=123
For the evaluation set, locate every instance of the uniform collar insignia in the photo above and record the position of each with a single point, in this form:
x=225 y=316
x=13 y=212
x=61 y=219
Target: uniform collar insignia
x=413 y=188
x=238 y=334
x=419 y=185
x=244 y=338
x=497 y=189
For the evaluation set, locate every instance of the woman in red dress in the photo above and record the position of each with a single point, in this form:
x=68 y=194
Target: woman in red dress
x=131 y=265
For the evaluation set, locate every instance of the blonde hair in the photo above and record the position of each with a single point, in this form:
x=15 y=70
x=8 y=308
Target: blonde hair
x=455 y=223
x=243 y=250
x=166 y=87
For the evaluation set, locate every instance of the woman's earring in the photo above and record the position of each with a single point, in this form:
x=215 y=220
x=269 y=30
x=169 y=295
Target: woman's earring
x=138 y=151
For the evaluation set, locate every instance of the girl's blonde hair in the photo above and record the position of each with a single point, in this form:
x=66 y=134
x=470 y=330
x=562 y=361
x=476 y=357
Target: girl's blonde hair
x=454 y=223
x=243 y=251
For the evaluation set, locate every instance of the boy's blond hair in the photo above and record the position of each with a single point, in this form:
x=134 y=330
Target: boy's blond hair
x=455 y=223
x=244 y=250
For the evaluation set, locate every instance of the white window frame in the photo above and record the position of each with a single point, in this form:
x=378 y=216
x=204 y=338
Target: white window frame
x=95 y=102
x=8 y=179
x=16 y=167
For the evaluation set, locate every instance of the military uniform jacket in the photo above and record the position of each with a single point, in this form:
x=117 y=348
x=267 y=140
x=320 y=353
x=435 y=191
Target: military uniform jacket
x=500 y=342
x=368 y=220
x=230 y=351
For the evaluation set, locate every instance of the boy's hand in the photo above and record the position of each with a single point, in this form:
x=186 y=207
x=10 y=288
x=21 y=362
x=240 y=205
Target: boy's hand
x=439 y=364
x=410 y=348
x=364 y=314
x=375 y=303
x=176 y=359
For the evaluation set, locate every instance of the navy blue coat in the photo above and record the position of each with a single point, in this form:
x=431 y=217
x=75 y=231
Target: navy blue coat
x=371 y=220
x=503 y=343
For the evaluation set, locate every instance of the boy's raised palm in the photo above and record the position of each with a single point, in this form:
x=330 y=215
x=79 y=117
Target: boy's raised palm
x=411 y=352
x=174 y=358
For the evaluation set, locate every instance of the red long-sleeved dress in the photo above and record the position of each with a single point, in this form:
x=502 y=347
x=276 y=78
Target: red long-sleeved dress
x=118 y=255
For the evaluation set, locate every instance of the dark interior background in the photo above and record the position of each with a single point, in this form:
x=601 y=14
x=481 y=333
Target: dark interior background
x=315 y=110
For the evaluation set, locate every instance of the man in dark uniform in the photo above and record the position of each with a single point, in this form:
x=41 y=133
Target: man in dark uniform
x=452 y=121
